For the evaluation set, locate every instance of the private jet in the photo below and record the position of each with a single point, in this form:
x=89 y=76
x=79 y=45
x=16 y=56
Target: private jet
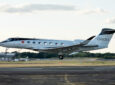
x=61 y=47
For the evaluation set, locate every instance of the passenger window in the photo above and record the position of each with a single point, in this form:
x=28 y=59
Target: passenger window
x=34 y=42
x=22 y=42
x=45 y=43
x=56 y=43
x=39 y=43
x=28 y=41
x=62 y=43
x=50 y=43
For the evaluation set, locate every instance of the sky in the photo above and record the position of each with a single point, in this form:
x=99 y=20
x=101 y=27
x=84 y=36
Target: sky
x=56 y=19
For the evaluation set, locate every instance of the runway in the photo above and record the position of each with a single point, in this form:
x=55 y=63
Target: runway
x=57 y=70
x=81 y=75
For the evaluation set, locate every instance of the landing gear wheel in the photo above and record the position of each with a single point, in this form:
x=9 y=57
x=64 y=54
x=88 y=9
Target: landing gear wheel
x=61 y=57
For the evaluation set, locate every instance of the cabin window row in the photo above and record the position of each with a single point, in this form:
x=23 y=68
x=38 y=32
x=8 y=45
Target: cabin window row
x=46 y=43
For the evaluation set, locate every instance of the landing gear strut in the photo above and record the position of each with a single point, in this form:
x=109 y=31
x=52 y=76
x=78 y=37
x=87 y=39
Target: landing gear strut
x=6 y=51
x=61 y=57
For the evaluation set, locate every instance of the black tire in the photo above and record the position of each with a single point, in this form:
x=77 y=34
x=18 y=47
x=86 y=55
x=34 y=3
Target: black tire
x=61 y=57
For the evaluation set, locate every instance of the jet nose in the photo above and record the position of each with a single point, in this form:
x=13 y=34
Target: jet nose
x=2 y=43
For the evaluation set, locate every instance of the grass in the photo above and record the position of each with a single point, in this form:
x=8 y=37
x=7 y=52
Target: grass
x=68 y=62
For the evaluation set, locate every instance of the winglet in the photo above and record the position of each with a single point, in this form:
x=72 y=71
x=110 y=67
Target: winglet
x=87 y=41
x=91 y=38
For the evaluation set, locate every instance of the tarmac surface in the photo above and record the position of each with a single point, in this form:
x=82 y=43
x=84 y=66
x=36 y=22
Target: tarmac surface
x=76 y=75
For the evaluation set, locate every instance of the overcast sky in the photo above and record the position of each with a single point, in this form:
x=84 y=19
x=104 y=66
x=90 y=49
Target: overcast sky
x=56 y=19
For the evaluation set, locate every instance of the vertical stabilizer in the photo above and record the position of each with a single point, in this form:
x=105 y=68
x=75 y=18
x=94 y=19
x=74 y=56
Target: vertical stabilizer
x=103 y=39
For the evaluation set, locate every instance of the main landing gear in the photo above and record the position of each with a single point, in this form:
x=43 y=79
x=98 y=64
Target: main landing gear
x=6 y=51
x=61 y=57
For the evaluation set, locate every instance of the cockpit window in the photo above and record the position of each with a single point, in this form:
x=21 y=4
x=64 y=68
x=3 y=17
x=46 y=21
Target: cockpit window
x=6 y=40
x=10 y=39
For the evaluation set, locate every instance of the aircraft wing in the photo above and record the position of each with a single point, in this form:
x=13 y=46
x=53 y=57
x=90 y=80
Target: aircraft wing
x=69 y=49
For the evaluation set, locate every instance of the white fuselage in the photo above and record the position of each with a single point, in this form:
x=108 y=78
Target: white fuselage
x=39 y=44
x=42 y=44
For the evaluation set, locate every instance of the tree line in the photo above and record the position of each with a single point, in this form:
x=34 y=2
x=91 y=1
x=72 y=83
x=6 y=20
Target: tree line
x=80 y=54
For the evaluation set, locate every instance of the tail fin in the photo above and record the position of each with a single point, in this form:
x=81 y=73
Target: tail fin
x=103 y=39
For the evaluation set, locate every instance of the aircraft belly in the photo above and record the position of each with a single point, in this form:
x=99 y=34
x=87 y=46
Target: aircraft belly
x=87 y=48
